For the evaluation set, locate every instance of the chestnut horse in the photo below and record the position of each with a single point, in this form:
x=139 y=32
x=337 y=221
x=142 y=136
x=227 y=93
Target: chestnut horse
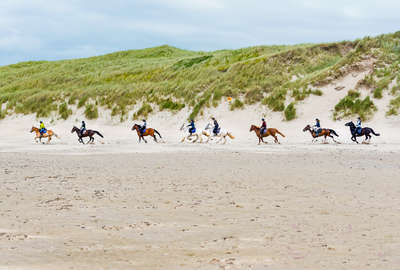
x=269 y=131
x=48 y=134
x=148 y=132
x=326 y=132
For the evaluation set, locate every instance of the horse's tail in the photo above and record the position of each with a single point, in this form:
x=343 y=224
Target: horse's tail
x=230 y=135
x=158 y=133
x=280 y=133
x=98 y=133
x=334 y=132
x=376 y=134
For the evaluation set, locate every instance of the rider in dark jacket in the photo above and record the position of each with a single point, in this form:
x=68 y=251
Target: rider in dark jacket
x=359 y=126
x=192 y=128
x=83 y=128
x=216 y=126
x=143 y=127
x=263 y=126
x=317 y=127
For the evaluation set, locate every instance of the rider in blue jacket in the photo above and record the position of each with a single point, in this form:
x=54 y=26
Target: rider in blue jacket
x=192 y=128
x=317 y=127
x=143 y=127
x=358 y=125
x=216 y=126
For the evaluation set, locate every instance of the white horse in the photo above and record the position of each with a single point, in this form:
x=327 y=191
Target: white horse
x=190 y=137
x=208 y=132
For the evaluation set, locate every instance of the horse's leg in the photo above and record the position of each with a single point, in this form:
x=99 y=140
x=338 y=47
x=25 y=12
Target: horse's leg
x=144 y=139
x=155 y=139
x=276 y=139
x=332 y=138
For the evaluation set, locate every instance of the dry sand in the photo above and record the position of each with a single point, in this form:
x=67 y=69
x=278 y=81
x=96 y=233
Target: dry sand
x=216 y=209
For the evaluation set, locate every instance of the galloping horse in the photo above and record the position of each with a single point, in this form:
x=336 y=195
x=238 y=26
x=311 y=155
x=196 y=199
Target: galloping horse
x=189 y=137
x=148 y=132
x=364 y=132
x=269 y=131
x=208 y=132
x=326 y=132
x=88 y=133
x=48 y=134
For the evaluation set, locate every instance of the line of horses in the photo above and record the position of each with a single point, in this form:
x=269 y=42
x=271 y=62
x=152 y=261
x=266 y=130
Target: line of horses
x=206 y=135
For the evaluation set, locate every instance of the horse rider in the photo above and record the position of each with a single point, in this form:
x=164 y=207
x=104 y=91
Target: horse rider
x=143 y=127
x=83 y=128
x=192 y=128
x=317 y=127
x=263 y=126
x=358 y=126
x=216 y=129
x=42 y=129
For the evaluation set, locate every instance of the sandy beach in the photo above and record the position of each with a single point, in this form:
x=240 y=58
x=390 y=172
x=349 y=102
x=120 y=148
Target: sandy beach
x=208 y=209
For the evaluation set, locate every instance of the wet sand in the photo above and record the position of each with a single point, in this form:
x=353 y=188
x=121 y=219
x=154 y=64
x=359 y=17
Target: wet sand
x=336 y=209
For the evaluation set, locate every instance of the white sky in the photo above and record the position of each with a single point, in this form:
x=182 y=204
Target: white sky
x=59 y=29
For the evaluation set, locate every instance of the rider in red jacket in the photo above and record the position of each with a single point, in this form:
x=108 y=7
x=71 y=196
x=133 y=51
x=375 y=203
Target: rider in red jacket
x=263 y=126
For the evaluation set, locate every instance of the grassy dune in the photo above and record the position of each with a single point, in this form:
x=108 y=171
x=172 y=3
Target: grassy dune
x=167 y=78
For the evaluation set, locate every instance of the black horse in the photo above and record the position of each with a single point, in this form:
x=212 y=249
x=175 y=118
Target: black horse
x=364 y=132
x=88 y=133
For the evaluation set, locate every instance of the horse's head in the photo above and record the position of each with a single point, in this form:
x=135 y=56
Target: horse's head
x=253 y=127
x=308 y=127
x=33 y=129
x=135 y=127
x=349 y=124
x=208 y=126
x=74 y=129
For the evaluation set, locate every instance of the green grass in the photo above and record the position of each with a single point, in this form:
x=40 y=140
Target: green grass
x=64 y=111
x=290 y=112
x=237 y=104
x=172 y=79
x=91 y=111
x=353 y=105
x=394 y=106
x=144 y=111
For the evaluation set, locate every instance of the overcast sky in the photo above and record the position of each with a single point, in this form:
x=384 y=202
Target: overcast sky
x=60 y=29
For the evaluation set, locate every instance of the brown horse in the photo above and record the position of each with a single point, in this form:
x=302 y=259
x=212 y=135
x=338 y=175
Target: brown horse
x=270 y=131
x=326 y=132
x=48 y=134
x=88 y=133
x=148 y=132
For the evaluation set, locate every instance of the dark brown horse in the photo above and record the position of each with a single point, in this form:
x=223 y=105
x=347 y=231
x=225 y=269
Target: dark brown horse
x=88 y=133
x=269 y=131
x=149 y=132
x=326 y=132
